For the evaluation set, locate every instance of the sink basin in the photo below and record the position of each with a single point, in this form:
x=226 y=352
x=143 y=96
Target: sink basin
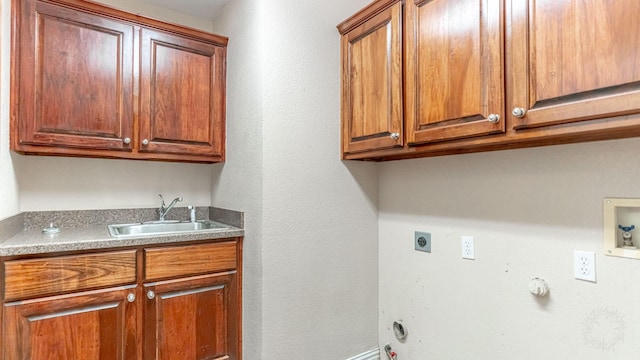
x=164 y=227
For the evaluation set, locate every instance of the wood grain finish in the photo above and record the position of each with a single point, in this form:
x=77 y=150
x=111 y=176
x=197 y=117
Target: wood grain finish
x=76 y=83
x=192 y=319
x=46 y=276
x=454 y=74
x=188 y=317
x=576 y=75
x=182 y=95
x=194 y=311
x=168 y=262
x=97 y=325
x=89 y=80
x=569 y=65
x=372 y=83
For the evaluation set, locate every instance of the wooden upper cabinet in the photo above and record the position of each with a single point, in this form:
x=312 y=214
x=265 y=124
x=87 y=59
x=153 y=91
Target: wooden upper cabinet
x=75 y=76
x=482 y=75
x=454 y=69
x=574 y=60
x=372 y=80
x=89 y=80
x=182 y=95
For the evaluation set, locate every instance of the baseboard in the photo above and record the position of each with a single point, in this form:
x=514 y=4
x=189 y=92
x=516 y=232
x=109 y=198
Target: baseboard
x=373 y=354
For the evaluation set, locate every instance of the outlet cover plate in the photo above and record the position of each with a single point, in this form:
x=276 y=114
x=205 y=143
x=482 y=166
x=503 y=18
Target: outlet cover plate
x=468 y=248
x=422 y=241
x=584 y=265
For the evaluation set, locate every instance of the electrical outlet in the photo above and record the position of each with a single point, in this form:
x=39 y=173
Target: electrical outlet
x=584 y=265
x=422 y=241
x=468 y=248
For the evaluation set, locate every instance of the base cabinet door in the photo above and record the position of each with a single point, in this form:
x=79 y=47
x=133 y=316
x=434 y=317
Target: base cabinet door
x=97 y=325
x=192 y=319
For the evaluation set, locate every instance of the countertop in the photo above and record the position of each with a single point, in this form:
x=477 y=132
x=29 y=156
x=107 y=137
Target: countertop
x=87 y=230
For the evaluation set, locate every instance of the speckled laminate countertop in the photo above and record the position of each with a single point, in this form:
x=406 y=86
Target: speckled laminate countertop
x=87 y=229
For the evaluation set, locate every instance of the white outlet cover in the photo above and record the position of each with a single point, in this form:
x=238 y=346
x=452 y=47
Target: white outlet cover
x=468 y=248
x=584 y=265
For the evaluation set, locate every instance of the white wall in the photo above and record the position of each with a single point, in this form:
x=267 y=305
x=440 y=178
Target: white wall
x=528 y=210
x=9 y=201
x=160 y=13
x=311 y=219
x=58 y=183
x=238 y=182
x=320 y=220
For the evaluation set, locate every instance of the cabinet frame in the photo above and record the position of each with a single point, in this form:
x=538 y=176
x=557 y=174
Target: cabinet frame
x=588 y=122
x=224 y=276
x=125 y=140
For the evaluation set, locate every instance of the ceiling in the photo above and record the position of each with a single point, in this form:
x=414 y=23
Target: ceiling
x=208 y=9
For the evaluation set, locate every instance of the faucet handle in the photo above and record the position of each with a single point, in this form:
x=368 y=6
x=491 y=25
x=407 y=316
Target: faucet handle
x=161 y=199
x=192 y=213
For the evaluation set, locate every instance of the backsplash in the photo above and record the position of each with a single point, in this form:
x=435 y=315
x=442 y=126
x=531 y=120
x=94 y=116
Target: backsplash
x=35 y=220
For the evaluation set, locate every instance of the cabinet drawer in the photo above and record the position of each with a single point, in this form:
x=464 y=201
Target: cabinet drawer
x=47 y=276
x=167 y=262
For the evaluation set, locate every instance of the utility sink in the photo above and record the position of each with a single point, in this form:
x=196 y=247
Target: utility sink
x=164 y=227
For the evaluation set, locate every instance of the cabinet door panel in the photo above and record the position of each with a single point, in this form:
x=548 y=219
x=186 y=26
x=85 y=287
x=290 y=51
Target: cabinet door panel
x=76 y=79
x=193 y=319
x=90 y=326
x=182 y=95
x=372 y=83
x=581 y=61
x=454 y=69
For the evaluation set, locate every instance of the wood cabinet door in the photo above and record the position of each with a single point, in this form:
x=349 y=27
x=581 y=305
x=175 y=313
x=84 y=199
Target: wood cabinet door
x=182 y=107
x=372 y=83
x=573 y=60
x=454 y=69
x=193 y=319
x=97 y=325
x=75 y=75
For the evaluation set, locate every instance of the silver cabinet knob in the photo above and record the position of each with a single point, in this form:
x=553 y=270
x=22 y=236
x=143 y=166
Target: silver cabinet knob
x=151 y=295
x=131 y=297
x=145 y=141
x=394 y=136
x=518 y=112
x=126 y=140
x=494 y=118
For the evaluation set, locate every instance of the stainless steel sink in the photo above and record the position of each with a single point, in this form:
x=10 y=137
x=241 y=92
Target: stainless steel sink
x=163 y=227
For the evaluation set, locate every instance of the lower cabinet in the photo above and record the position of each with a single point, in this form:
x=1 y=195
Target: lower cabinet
x=193 y=318
x=93 y=325
x=192 y=302
x=160 y=302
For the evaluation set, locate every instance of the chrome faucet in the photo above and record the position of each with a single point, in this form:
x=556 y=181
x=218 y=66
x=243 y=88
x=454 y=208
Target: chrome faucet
x=164 y=210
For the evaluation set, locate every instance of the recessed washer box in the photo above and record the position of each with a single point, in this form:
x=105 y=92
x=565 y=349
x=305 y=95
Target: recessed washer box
x=622 y=227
